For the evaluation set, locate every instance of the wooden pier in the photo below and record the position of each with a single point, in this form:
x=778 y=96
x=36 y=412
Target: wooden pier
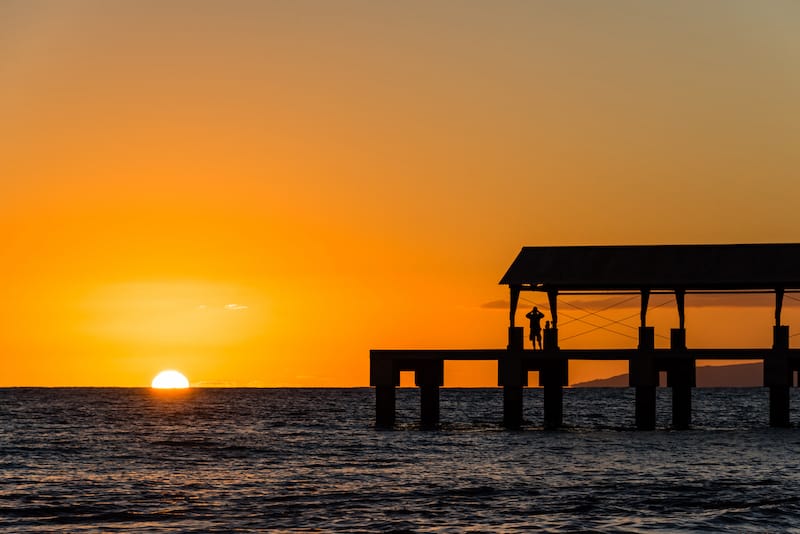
x=646 y=270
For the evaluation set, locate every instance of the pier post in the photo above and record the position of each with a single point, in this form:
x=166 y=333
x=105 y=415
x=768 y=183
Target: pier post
x=429 y=406
x=429 y=376
x=553 y=376
x=647 y=338
x=384 y=406
x=778 y=377
x=780 y=337
x=643 y=376
x=550 y=339
x=385 y=376
x=516 y=339
x=645 y=408
x=681 y=378
x=681 y=407
x=512 y=377
x=677 y=339
x=512 y=407
x=779 y=407
x=553 y=407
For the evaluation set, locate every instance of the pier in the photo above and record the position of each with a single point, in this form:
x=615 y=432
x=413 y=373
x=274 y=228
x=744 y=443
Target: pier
x=644 y=270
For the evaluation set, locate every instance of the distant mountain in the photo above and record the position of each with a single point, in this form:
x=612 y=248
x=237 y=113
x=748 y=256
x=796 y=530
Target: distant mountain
x=708 y=376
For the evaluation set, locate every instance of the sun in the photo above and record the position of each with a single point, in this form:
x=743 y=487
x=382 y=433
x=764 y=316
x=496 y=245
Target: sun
x=170 y=380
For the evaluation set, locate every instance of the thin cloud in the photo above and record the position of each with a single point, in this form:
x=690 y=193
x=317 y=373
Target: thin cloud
x=496 y=305
x=235 y=307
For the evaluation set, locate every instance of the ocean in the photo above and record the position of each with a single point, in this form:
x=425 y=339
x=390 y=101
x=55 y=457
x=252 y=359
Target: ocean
x=300 y=460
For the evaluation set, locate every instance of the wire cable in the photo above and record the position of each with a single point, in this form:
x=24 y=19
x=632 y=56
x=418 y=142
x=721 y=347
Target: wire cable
x=589 y=313
x=595 y=326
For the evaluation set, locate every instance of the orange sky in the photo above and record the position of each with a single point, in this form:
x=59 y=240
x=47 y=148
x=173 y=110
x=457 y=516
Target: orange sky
x=257 y=193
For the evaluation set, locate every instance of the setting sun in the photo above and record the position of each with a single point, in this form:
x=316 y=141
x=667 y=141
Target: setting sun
x=170 y=380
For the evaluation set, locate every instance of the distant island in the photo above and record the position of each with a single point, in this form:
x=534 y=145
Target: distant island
x=708 y=376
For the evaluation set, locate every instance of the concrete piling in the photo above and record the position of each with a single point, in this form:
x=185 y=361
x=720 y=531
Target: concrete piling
x=553 y=376
x=643 y=376
x=778 y=377
x=384 y=406
x=512 y=407
x=429 y=376
x=681 y=377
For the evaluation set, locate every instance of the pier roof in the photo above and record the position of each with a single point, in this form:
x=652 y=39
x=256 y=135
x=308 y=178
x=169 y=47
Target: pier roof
x=632 y=267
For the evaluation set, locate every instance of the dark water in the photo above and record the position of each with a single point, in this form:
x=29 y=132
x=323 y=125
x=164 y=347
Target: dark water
x=74 y=460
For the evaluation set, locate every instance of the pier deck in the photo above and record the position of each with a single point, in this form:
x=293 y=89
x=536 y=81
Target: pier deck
x=553 y=365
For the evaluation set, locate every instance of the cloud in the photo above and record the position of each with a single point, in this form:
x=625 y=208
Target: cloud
x=226 y=307
x=496 y=305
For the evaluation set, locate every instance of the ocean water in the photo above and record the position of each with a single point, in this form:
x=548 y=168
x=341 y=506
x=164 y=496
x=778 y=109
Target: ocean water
x=254 y=460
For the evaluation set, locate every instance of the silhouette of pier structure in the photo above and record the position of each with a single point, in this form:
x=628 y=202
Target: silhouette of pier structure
x=615 y=270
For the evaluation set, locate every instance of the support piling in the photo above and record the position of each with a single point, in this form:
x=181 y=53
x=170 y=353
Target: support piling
x=384 y=406
x=681 y=377
x=645 y=408
x=512 y=407
x=429 y=376
x=643 y=376
x=778 y=377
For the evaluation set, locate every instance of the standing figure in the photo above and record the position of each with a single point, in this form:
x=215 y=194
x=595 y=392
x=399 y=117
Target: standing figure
x=535 y=317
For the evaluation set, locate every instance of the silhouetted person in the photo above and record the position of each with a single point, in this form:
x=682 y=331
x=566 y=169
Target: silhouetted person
x=535 y=317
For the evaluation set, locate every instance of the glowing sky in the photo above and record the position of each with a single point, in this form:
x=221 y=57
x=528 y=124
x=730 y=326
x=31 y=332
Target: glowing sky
x=258 y=192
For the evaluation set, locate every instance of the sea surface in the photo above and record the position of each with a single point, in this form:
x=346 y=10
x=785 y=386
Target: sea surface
x=255 y=460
